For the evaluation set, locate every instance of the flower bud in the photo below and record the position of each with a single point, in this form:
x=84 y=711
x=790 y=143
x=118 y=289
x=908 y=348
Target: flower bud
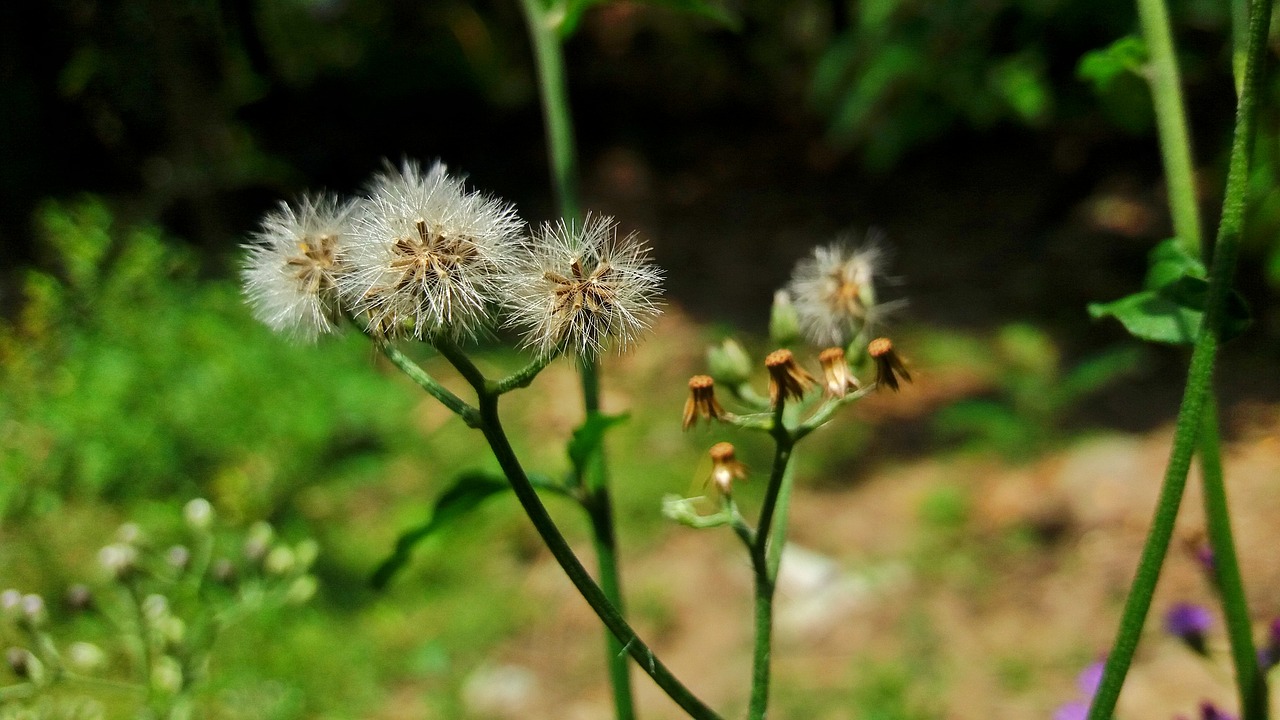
x=301 y=590
x=130 y=534
x=119 y=559
x=224 y=571
x=25 y=665
x=34 y=613
x=155 y=608
x=280 y=561
x=306 y=552
x=199 y=515
x=178 y=557
x=784 y=323
x=728 y=363
x=11 y=604
x=86 y=657
x=1190 y=623
x=258 y=542
x=166 y=675
x=79 y=598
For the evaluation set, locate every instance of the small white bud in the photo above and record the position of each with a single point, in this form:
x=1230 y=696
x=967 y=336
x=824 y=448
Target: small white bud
x=155 y=608
x=130 y=534
x=178 y=557
x=166 y=675
x=280 y=561
x=33 y=610
x=301 y=590
x=86 y=657
x=258 y=541
x=199 y=515
x=119 y=559
x=307 y=551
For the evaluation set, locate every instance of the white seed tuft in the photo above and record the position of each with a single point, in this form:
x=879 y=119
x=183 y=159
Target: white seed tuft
x=834 y=292
x=582 y=289
x=426 y=254
x=295 y=262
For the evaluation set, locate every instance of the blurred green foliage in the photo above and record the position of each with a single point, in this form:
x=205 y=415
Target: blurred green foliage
x=127 y=376
x=1033 y=392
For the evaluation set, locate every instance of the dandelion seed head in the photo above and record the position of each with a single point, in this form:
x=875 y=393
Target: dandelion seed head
x=582 y=289
x=833 y=290
x=426 y=253
x=295 y=264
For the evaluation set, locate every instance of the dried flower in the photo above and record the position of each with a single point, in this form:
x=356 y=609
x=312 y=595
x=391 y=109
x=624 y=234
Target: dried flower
x=725 y=467
x=888 y=365
x=834 y=292
x=426 y=253
x=702 y=401
x=582 y=289
x=837 y=380
x=786 y=378
x=1189 y=622
x=294 y=264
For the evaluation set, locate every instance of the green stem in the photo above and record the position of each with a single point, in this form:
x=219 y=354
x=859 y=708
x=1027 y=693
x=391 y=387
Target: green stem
x=782 y=515
x=762 y=651
x=1249 y=679
x=522 y=377
x=1199 y=375
x=491 y=426
x=555 y=108
x=469 y=414
x=600 y=512
x=1171 y=119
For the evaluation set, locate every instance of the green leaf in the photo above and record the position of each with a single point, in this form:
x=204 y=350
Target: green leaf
x=588 y=437
x=1170 y=262
x=466 y=494
x=1102 y=67
x=1173 y=313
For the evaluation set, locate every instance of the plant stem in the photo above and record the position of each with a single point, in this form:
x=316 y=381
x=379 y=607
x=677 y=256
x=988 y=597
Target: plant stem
x=761 y=655
x=491 y=426
x=1199 y=375
x=1249 y=679
x=555 y=108
x=469 y=414
x=1171 y=120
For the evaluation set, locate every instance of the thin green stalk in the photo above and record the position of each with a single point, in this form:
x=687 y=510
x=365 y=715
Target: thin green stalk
x=491 y=426
x=782 y=515
x=469 y=414
x=563 y=155
x=555 y=107
x=1199 y=375
x=762 y=652
x=766 y=552
x=1171 y=120
x=525 y=375
x=1250 y=682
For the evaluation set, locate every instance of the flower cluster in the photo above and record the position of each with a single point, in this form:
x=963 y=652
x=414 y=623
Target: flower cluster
x=420 y=255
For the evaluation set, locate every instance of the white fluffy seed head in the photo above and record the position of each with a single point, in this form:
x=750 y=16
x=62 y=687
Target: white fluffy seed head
x=426 y=253
x=296 y=261
x=833 y=290
x=582 y=289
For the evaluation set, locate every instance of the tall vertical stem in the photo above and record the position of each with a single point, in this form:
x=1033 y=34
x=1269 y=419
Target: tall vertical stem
x=563 y=155
x=1199 y=375
x=1250 y=682
x=1171 y=120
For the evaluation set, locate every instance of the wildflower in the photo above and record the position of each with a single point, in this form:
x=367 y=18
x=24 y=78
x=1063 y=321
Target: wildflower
x=198 y=514
x=786 y=378
x=784 y=323
x=119 y=559
x=1087 y=681
x=729 y=363
x=834 y=293
x=836 y=378
x=725 y=467
x=702 y=401
x=888 y=365
x=1190 y=623
x=1269 y=654
x=425 y=254
x=295 y=261
x=582 y=289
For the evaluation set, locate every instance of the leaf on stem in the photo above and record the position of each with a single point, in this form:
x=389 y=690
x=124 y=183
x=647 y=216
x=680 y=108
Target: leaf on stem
x=589 y=436
x=466 y=494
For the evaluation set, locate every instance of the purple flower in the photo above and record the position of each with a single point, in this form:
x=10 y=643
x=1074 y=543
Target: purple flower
x=1269 y=654
x=1209 y=711
x=1089 y=678
x=1074 y=710
x=1189 y=622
